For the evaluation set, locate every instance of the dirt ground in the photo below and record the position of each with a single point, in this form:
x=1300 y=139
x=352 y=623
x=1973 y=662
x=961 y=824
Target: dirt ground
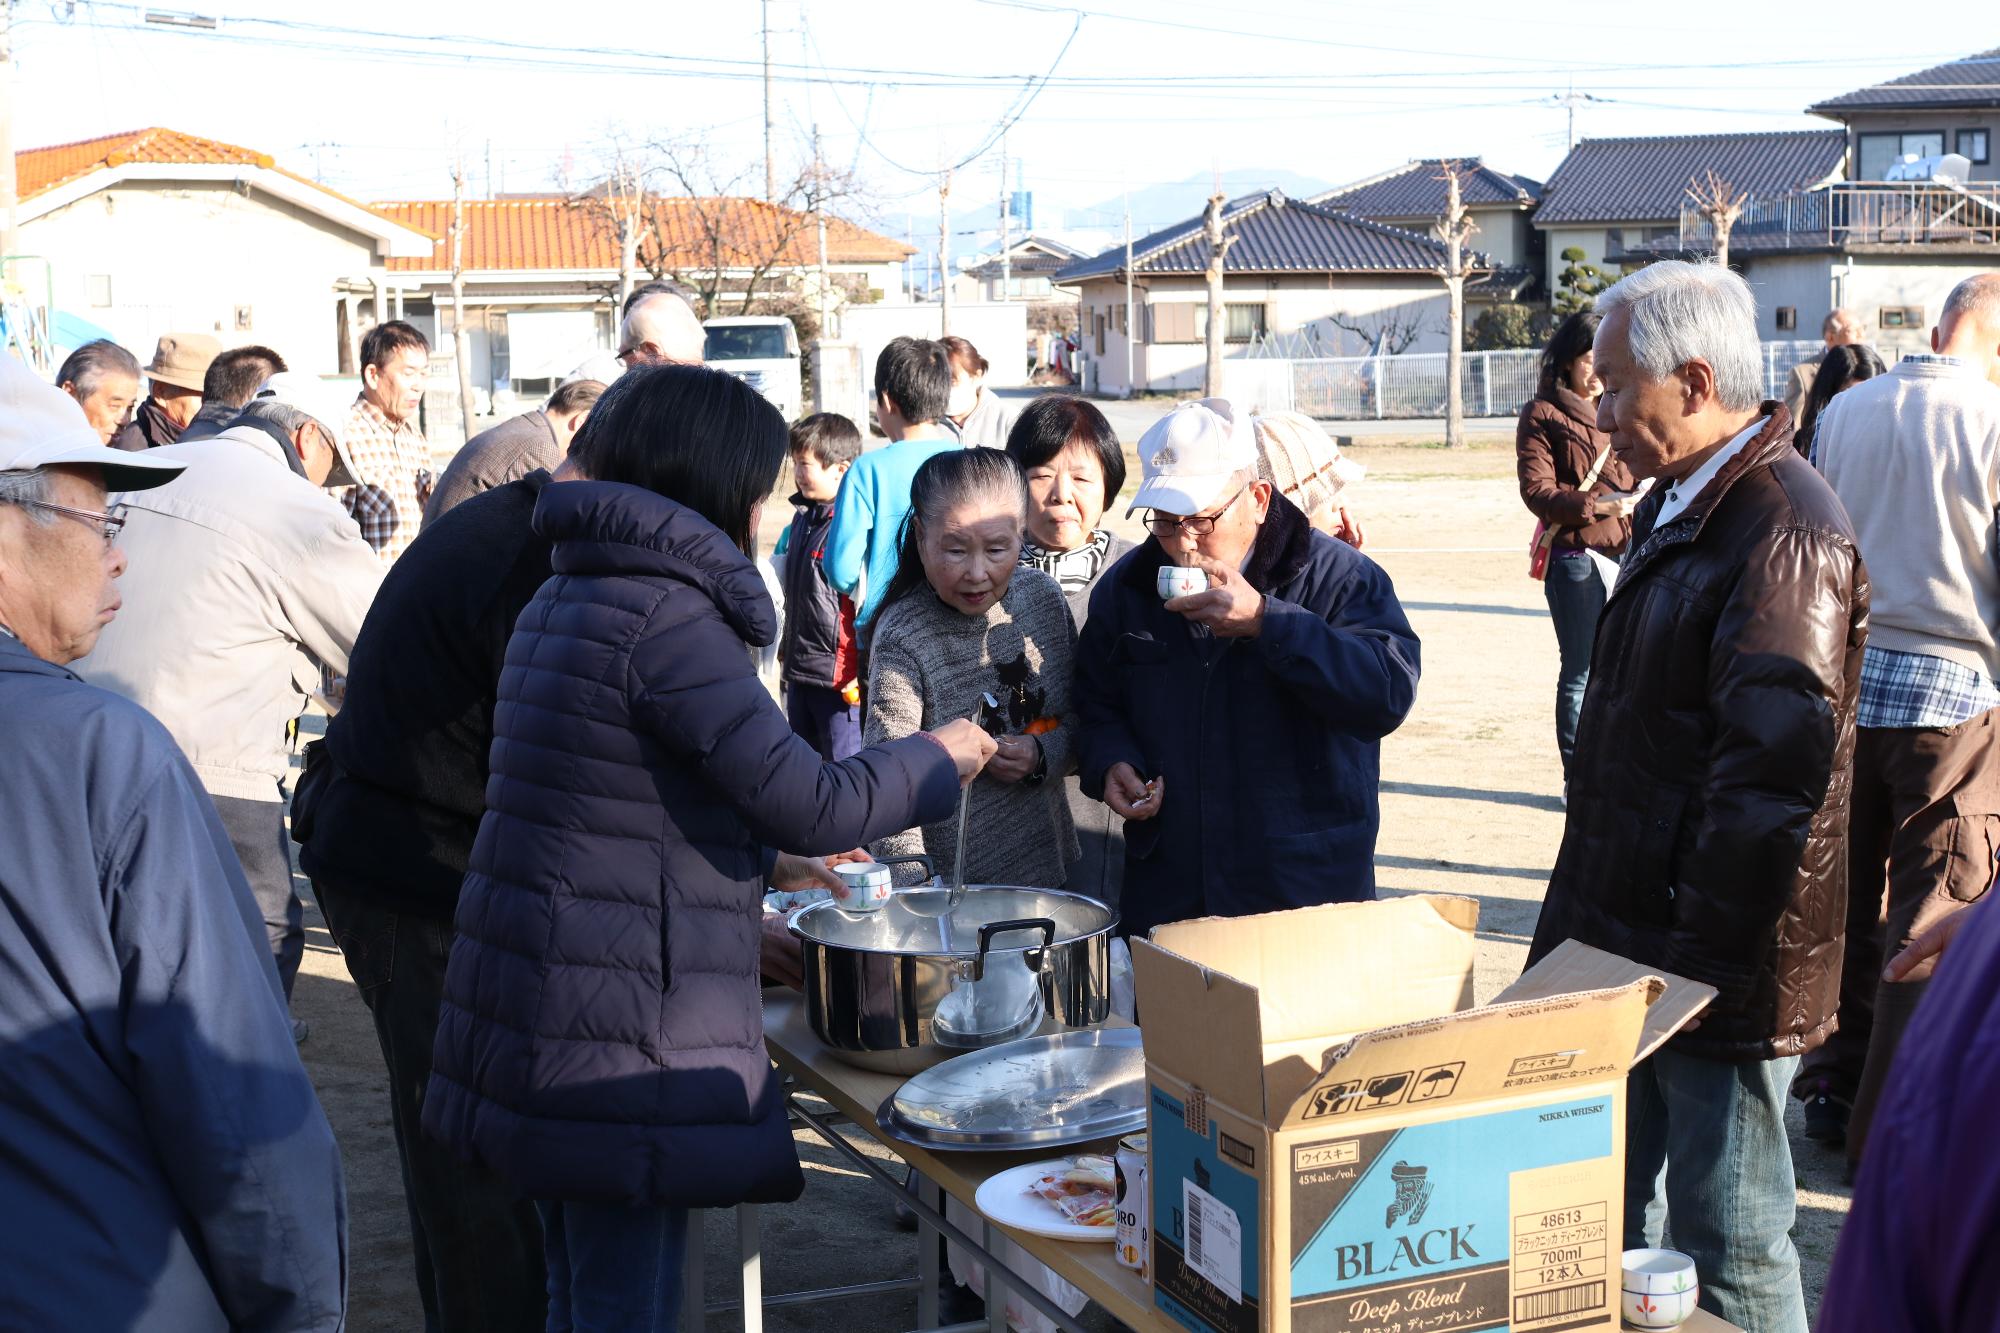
x=1470 y=805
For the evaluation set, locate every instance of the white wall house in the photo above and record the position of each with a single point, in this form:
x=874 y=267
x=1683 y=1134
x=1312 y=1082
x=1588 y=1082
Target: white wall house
x=1311 y=279
x=156 y=231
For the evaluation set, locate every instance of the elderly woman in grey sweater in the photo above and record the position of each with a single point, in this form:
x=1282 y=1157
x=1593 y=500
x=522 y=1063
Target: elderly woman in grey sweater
x=963 y=619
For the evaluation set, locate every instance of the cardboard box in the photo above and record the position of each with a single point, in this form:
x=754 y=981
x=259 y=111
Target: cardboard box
x=1342 y=1143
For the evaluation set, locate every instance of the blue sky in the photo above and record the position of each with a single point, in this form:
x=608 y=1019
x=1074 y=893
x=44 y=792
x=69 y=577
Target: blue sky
x=1147 y=91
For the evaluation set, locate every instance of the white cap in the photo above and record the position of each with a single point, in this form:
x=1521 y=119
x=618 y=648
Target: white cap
x=324 y=403
x=1190 y=455
x=41 y=426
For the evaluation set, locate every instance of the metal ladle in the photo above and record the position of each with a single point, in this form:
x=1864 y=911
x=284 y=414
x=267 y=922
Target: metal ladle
x=925 y=900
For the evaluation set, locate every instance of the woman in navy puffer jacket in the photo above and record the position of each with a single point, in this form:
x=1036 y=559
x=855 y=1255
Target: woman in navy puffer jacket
x=600 y=1042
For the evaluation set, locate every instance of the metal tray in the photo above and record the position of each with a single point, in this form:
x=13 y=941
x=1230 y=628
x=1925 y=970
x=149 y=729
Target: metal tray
x=1072 y=1087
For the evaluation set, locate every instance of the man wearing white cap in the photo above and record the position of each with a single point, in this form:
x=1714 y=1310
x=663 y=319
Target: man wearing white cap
x=247 y=579
x=1237 y=728
x=165 y=1162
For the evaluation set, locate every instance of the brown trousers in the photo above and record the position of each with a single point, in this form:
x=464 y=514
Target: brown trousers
x=1922 y=841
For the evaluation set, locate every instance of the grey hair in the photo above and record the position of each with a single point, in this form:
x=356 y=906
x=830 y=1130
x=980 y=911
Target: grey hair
x=1978 y=296
x=282 y=415
x=1836 y=318
x=1680 y=312
x=86 y=367
x=27 y=487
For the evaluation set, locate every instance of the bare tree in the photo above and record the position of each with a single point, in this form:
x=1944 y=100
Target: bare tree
x=710 y=235
x=1388 y=332
x=1720 y=205
x=1218 y=251
x=676 y=211
x=1454 y=229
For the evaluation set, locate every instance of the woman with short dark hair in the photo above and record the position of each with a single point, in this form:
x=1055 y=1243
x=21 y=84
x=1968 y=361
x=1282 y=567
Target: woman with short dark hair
x=600 y=1041
x=1582 y=497
x=1075 y=468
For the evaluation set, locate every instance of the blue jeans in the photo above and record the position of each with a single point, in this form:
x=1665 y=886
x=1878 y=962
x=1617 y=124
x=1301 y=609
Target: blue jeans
x=1576 y=599
x=1713 y=1134
x=613 y=1268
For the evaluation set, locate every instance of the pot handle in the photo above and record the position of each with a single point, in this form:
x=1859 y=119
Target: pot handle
x=920 y=861
x=1035 y=955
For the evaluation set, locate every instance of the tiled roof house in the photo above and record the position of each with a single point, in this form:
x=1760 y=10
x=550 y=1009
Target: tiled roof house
x=1315 y=277
x=1413 y=195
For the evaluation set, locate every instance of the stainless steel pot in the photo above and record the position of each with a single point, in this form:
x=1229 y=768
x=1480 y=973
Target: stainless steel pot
x=897 y=991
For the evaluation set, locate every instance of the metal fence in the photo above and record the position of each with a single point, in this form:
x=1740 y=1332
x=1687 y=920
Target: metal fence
x=1356 y=388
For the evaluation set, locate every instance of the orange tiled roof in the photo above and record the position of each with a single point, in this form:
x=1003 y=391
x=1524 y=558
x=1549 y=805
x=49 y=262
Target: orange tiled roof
x=39 y=169
x=558 y=233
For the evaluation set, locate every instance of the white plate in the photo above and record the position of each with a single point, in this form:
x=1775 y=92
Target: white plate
x=1005 y=1199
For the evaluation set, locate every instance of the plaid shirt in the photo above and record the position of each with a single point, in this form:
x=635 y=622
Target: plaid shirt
x=1917 y=690
x=391 y=461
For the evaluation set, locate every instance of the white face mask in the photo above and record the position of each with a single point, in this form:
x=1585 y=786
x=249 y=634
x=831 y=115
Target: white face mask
x=964 y=394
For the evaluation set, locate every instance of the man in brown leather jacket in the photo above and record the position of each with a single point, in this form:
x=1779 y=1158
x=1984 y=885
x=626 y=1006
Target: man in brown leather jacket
x=1708 y=796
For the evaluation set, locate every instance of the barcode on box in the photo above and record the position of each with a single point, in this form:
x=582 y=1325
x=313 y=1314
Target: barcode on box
x=1563 y=1300
x=1196 y=1258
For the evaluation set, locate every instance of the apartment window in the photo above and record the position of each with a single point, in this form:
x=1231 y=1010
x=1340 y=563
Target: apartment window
x=1876 y=153
x=1788 y=318
x=1901 y=317
x=1098 y=320
x=1973 y=145
x=99 y=285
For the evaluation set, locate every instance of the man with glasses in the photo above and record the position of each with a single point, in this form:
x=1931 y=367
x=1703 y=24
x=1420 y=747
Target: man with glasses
x=1237 y=729
x=247 y=579
x=166 y=1163
x=660 y=328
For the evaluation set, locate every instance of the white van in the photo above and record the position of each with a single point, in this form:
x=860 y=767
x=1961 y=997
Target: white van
x=763 y=352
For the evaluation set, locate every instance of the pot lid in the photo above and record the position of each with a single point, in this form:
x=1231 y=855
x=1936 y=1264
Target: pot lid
x=1072 y=1087
x=894 y=928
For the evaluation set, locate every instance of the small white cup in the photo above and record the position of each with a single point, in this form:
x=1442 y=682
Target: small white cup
x=1659 y=1288
x=864 y=886
x=1181 y=581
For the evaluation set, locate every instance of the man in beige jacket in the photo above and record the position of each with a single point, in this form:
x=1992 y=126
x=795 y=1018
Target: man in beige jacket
x=246 y=580
x=1915 y=457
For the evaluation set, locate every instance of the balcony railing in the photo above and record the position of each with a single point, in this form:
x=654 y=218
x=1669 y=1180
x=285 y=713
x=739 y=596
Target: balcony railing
x=1858 y=213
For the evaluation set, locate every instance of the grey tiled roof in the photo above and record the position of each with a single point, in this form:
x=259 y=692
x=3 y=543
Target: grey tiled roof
x=1417 y=190
x=1970 y=81
x=1646 y=180
x=1273 y=235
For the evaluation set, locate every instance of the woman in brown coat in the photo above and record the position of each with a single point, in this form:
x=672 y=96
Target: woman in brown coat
x=1570 y=481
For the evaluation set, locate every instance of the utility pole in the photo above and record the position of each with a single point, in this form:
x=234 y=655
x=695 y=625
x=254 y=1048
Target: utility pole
x=770 y=174
x=1006 y=263
x=819 y=217
x=461 y=341
x=1131 y=326
x=1454 y=229
x=489 y=168
x=9 y=199
x=1572 y=100
x=944 y=253
x=1218 y=250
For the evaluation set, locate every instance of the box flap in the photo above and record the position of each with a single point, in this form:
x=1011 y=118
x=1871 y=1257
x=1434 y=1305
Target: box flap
x=1576 y=966
x=1201 y=1026
x=1500 y=1050
x=1343 y=968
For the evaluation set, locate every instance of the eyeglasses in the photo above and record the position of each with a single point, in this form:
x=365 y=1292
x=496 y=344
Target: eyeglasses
x=1199 y=525
x=110 y=524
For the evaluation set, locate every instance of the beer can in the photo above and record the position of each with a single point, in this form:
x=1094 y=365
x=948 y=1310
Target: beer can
x=1134 y=1220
